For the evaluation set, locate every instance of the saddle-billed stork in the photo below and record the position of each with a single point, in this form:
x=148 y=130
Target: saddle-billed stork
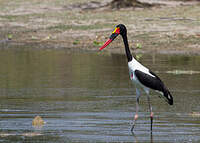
x=142 y=77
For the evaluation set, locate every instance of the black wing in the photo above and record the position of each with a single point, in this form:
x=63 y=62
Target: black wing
x=154 y=83
x=150 y=81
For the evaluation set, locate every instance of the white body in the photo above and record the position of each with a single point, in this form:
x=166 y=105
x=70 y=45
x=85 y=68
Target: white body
x=135 y=65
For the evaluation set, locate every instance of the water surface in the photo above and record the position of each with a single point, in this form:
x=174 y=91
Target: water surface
x=88 y=97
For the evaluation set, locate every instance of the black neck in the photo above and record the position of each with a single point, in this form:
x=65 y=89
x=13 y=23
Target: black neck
x=128 y=53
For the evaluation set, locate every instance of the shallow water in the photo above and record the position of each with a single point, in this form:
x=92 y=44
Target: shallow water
x=88 y=97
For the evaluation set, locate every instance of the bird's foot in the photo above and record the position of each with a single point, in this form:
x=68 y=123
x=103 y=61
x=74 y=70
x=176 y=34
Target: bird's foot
x=132 y=128
x=132 y=125
x=134 y=122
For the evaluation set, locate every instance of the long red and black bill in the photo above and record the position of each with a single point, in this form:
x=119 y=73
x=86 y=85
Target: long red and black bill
x=112 y=37
x=105 y=44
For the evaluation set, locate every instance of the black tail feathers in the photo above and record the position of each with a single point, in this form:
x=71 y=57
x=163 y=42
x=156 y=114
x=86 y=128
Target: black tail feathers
x=168 y=97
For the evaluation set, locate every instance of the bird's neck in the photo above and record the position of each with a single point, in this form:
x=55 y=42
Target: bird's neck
x=128 y=53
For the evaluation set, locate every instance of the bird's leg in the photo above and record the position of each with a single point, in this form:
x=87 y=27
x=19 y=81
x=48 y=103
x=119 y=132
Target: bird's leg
x=136 y=114
x=150 y=109
x=137 y=109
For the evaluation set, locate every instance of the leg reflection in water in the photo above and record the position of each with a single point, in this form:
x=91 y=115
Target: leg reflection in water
x=136 y=140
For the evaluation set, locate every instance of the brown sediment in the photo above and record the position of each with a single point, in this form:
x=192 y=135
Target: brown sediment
x=171 y=28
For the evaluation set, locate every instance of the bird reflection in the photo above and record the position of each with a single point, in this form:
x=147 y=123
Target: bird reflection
x=136 y=139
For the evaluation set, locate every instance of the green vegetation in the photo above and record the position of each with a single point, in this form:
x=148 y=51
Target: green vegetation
x=76 y=42
x=138 y=46
x=96 y=43
x=10 y=36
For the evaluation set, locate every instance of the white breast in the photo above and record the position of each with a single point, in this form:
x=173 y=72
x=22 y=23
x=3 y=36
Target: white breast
x=135 y=65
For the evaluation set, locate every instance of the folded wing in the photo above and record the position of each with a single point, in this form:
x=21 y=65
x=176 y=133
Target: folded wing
x=154 y=82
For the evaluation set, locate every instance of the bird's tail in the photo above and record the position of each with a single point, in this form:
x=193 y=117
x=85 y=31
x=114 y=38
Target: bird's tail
x=168 y=96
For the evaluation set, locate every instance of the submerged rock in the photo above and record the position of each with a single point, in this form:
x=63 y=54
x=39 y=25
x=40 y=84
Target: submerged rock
x=38 y=121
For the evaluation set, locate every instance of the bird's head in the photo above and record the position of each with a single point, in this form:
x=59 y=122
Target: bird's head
x=119 y=29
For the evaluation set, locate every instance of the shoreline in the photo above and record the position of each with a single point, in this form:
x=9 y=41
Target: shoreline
x=92 y=49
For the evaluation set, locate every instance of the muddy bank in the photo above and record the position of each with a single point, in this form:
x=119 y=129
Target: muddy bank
x=172 y=28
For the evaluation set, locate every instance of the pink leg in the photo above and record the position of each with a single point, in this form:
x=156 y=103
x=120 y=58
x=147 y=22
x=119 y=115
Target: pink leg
x=136 y=114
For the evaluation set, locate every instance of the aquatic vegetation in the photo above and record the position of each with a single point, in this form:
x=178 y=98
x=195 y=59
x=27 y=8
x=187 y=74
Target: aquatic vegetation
x=183 y=72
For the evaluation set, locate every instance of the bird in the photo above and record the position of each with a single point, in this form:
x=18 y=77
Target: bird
x=142 y=77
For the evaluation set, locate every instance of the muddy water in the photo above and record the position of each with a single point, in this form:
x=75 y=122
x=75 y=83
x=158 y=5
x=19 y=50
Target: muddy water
x=87 y=97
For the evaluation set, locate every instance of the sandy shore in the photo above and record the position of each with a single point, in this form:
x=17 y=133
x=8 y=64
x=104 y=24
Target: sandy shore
x=171 y=28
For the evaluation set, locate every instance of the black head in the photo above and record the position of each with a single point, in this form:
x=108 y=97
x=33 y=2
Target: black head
x=122 y=29
x=119 y=29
